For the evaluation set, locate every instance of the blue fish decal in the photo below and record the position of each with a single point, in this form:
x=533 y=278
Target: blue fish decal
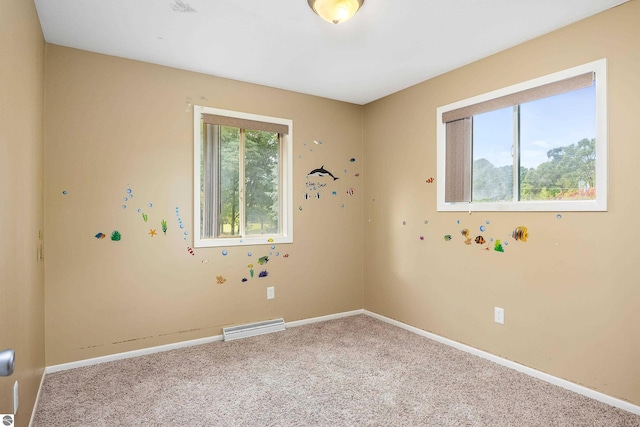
x=321 y=171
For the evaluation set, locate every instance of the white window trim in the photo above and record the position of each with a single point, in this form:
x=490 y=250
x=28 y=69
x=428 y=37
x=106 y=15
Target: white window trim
x=286 y=191
x=599 y=204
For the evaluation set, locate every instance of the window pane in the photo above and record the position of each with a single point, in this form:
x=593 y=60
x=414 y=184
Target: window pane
x=228 y=152
x=557 y=147
x=262 y=182
x=492 y=156
x=243 y=188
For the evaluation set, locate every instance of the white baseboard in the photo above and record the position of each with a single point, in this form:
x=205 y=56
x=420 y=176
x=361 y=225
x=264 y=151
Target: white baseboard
x=35 y=404
x=182 y=344
x=604 y=398
x=323 y=318
x=129 y=354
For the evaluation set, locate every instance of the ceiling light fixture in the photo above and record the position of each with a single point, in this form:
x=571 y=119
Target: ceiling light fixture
x=335 y=11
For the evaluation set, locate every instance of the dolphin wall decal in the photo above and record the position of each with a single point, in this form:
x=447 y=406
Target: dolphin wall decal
x=321 y=171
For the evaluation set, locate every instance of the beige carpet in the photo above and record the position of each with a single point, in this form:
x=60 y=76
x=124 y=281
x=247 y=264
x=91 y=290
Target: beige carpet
x=355 y=371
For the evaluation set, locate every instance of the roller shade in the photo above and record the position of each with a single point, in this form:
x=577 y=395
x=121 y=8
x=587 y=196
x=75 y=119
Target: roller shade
x=214 y=119
x=532 y=94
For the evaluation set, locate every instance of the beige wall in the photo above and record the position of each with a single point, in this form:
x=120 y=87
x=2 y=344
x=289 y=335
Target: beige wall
x=114 y=124
x=21 y=205
x=570 y=293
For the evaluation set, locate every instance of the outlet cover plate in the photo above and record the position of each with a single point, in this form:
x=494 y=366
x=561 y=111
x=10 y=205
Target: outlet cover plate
x=15 y=397
x=498 y=315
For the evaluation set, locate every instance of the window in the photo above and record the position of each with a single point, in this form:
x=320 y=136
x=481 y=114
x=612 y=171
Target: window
x=536 y=146
x=243 y=180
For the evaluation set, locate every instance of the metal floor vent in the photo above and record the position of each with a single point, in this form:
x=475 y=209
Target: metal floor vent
x=252 y=329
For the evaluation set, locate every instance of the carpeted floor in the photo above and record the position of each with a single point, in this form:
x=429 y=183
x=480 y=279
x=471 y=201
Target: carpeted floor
x=354 y=371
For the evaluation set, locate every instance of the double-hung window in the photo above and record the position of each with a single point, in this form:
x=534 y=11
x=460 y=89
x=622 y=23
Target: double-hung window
x=242 y=178
x=537 y=146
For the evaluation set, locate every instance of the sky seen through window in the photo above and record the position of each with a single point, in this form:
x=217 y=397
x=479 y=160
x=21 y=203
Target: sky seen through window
x=547 y=123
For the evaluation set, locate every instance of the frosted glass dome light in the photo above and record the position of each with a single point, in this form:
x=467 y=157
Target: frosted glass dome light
x=335 y=11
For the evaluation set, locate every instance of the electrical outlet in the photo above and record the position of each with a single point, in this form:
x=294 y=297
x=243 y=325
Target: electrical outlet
x=498 y=315
x=271 y=292
x=15 y=397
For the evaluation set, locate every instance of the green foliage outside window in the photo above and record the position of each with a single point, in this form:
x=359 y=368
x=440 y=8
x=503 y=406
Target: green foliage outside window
x=569 y=174
x=261 y=181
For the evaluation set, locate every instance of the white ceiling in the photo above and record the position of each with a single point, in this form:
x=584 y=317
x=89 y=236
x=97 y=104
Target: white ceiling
x=389 y=45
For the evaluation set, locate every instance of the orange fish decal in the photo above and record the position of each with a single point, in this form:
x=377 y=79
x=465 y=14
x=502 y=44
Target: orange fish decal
x=520 y=233
x=430 y=180
x=480 y=240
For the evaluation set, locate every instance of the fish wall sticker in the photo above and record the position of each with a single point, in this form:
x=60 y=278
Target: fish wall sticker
x=465 y=234
x=520 y=233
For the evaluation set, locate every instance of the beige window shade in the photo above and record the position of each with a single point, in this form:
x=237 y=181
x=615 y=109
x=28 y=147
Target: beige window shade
x=214 y=119
x=532 y=94
x=458 y=161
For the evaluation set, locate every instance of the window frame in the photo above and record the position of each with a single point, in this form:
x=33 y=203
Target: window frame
x=286 y=182
x=599 y=68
